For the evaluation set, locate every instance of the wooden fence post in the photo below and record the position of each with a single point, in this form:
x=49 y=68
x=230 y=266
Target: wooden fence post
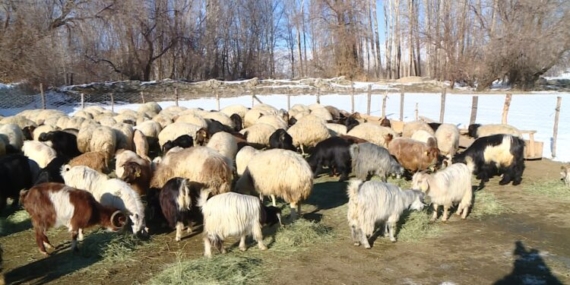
x=318 y=96
x=384 y=104
x=417 y=111
x=555 y=132
x=176 y=95
x=43 y=96
x=252 y=98
x=402 y=106
x=369 y=99
x=508 y=99
x=352 y=96
x=82 y=101
x=142 y=97
x=218 y=100
x=442 y=106
x=112 y=102
x=288 y=101
x=474 y=106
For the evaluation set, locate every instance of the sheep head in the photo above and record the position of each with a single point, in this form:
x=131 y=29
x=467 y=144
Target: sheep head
x=384 y=122
x=202 y=137
x=420 y=182
x=132 y=171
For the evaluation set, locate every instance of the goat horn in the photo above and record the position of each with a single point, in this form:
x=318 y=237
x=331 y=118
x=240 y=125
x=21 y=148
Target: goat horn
x=118 y=224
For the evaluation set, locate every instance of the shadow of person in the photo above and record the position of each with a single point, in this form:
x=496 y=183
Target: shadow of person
x=529 y=268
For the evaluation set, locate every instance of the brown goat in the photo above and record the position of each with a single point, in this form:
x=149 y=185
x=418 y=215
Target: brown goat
x=94 y=159
x=55 y=204
x=137 y=176
x=413 y=155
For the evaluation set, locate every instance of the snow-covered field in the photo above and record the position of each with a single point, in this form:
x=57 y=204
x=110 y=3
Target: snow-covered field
x=535 y=111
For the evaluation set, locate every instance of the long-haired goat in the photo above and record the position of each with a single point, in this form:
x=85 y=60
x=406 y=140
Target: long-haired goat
x=233 y=214
x=371 y=202
x=179 y=203
x=446 y=187
x=55 y=204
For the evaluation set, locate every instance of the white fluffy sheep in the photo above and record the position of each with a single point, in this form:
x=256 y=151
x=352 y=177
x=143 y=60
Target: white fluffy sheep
x=149 y=128
x=308 y=131
x=43 y=129
x=411 y=127
x=447 y=136
x=124 y=135
x=336 y=129
x=198 y=164
x=477 y=130
x=233 y=214
x=274 y=121
x=140 y=144
x=149 y=107
x=321 y=112
x=39 y=152
x=425 y=137
x=192 y=118
x=84 y=138
x=447 y=187
x=174 y=130
x=235 y=109
x=225 y=144
x=109 y=192
x=244 y=155
x=163 y=119
x=251 y=117
x=12 y=135
x=258 y=134
x=122 y=157
x=103 y=139
x=373 y=133
x=372 y=202
x=220 y=117
x=19 y=121
x=278 y=173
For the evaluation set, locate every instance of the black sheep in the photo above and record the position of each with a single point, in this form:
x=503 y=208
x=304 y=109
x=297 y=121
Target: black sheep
x=281 y=139
x=183 y=141
x=238 y=122
x=63 y=142
x=334 y=153
x=52 y=171
x=16 y=173
x=496 y=154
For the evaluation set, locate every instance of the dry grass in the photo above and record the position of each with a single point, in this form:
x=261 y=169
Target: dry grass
x=550 y=188
x=486 y=204
x=221 y=269
x=300 y=235
x=415 y=226
x=17 y=221
x=110 y=247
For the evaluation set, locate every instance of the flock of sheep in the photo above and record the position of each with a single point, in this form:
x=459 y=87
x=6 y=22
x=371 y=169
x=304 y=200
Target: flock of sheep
x=190 y=166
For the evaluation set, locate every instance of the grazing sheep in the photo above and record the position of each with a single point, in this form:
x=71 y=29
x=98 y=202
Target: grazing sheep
x=15 y=174
x=225 y=144
x=221 y=118
x=336 y=129
x=149 y=107
x=478 y=130
x=281 y=139
x=207 y=167
x=414 y=155
x=137 y=174
x=447 y=187
x=321 y=112
x=270 y=173
x=52 y=205
x=240 y=110
x=243 y=157
x=183 y=141
x=109 y=192
x=233 y=214
x=123 y=156
x=273 y=120
x=334 y=111
x=369 y=159
x=39 y=152
x=564 y=175
x=495 y=154
x=373 y=133
x=37 y=131
x=238 y=122
x=96 y=160
x=104 y=139
x=425 y=137
x=372 y=202
x=333 y=153
x=141 y=144
x=174 y=130
x=192 y=118
x=258 y=134
x=52 y=171
x=12 y=136
x=124 y=135
x=385 y=122
x=308 y=131
x=411 y=127
x=149 y=128
x=447 y=136
x=179 y=204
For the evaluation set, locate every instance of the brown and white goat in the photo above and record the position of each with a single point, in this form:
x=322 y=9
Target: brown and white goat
x=414 y=155
x=52 y=205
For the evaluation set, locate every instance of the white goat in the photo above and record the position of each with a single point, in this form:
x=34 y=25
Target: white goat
x=374 y=201
x=446 y=187
x=109 y=192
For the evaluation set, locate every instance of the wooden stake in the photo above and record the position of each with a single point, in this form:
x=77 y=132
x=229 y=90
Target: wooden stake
x=555 y=131
x=369 y=99
x=352 y=96
x=474 y=106
x=402 y=106
x=417 y=112
x=43 y=96
x=508 y=99
x=112 y=103
x=442 y=106
x=318 y=96
x=218 y=100
x=176 y=95
x=82 y=101
x=288 y=102
x=142 y=97
x=384 y=104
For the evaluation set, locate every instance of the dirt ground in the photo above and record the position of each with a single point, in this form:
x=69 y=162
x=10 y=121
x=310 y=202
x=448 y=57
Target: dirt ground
x=530 y=244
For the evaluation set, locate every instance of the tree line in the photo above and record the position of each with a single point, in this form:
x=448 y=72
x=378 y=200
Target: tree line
x=58 y=42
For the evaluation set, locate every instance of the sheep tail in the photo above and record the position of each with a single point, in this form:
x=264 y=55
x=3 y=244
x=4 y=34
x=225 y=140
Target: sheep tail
x=354 y=149
x=352 y=190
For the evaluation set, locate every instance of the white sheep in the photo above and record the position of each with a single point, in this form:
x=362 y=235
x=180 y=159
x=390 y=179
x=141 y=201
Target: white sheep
x=140 y=144
x=225 y=144
x=19 y=121
x=174 y=130
x=234 y=109
x=198 y=164
x=373 y=202
x=164 y=119
x=373 y=133
x=39 y=152
x=244 y=155
x=271 y=172
x=258 y=134
x=411 y=127
x=336 y=129
x=42 y=129
x=478 y=130
x=192 y=118
x=321 y=112
x=273 y=120
x=122 y=157
x=84 y=138
x=103 y=139
x=425 y=137
x=109 y=192
x=220 y=117
x=149 y=107
x=308 y=131
x=149 y=128
x=232 y=214
x=446 y=187
x=124 y=135
x=251 y=117
x=447 y=136
x=12 y=135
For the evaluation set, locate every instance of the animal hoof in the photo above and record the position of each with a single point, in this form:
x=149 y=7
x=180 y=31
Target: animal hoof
x=242 y=248
x=177 y=239
x=367 y=246
x=263 y=247
x=393 y=240
x=356 y=244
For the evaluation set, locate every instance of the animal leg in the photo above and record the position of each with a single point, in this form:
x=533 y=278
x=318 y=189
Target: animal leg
x=274 y=200
x=242 y=246
x=434 y=216
x=386 y=230
x=392 y=221
x=295 y=210
x=355 y=234
x=364 y=240
x=207 y=247
x=42 y=241
x=258 y=236
x=74 y=234
x=445 y=213
x=80 y=235
x=179 y=228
